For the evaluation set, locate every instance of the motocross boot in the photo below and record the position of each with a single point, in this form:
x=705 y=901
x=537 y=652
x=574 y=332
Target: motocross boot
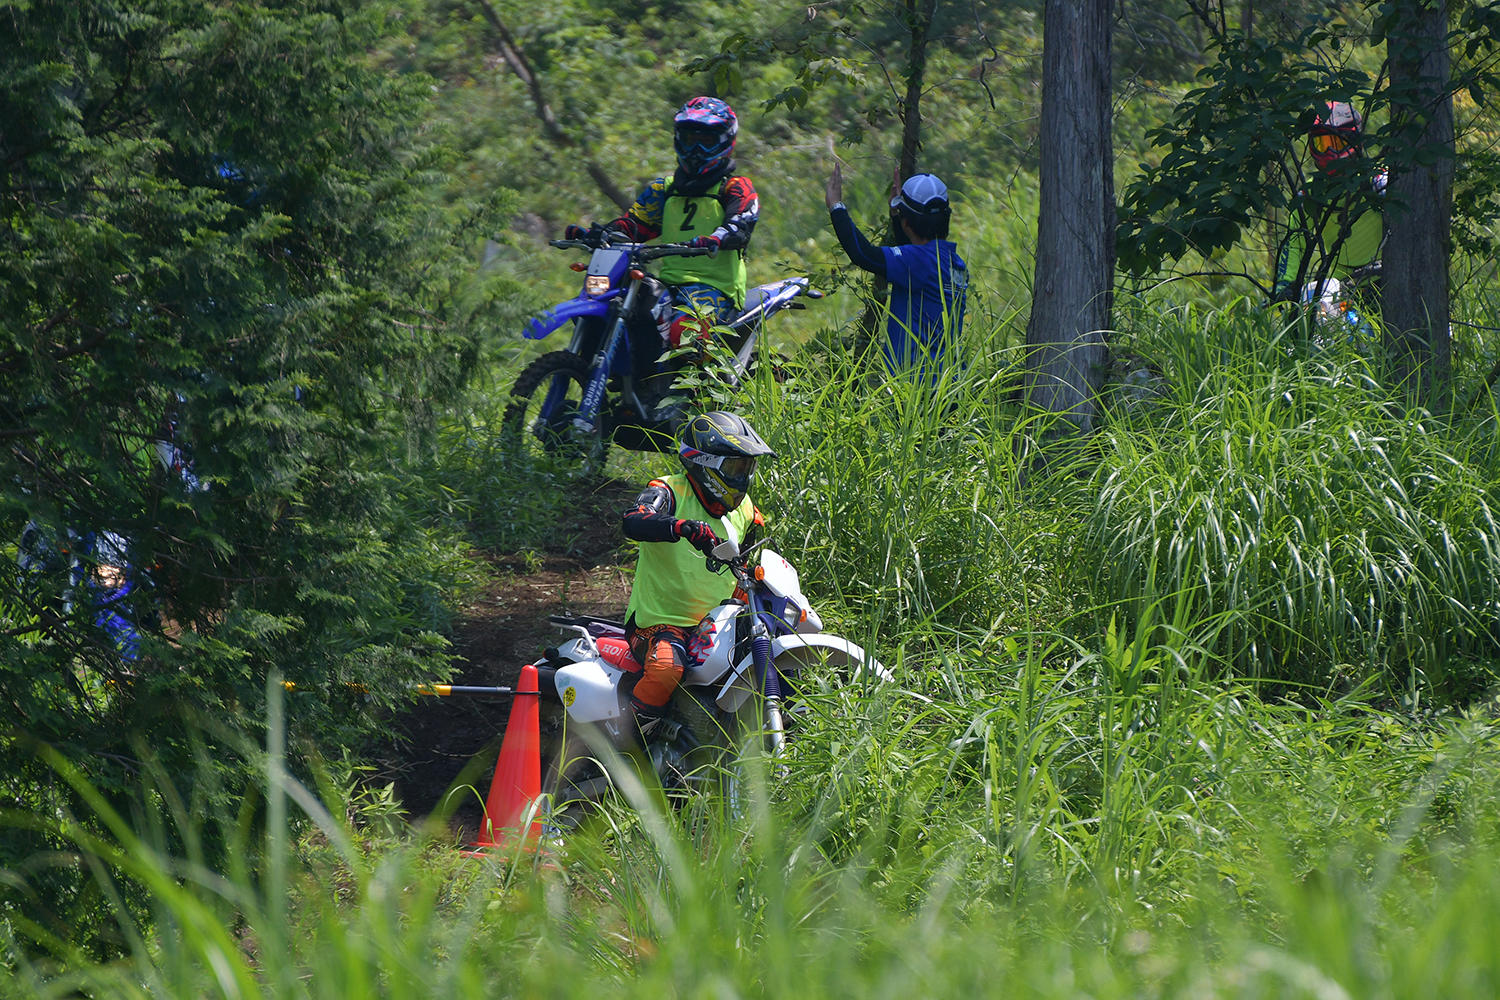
x=668 y=743
x=654 y=723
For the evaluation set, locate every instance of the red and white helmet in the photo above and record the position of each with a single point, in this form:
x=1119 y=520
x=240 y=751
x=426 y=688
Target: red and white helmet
x=1335 y=133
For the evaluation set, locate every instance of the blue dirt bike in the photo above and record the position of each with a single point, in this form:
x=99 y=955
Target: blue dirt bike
x=612 y=383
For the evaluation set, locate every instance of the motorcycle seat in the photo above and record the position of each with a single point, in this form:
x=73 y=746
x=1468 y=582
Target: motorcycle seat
x=616 y=651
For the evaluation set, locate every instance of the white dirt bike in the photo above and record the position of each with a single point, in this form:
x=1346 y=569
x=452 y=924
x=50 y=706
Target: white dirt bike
x=746 y=660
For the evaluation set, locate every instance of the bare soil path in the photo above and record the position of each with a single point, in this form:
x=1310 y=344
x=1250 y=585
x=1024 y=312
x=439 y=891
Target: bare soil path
x=441 y=745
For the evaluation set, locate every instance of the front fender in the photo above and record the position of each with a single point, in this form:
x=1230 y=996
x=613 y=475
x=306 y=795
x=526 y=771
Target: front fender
x=563 y=312
x=803 y=650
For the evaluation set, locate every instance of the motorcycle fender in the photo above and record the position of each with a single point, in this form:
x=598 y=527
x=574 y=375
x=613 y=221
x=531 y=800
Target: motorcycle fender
x=563 y=312
x=802 y=649
x=590 y=690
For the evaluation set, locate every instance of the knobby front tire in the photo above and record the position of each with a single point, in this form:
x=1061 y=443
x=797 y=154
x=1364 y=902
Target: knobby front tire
x=554 y=440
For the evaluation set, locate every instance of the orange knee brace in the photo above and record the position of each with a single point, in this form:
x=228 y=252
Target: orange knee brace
x=662 y=672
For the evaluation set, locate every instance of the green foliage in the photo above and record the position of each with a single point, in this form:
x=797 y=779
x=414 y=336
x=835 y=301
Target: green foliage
x=903 y=499
x=1116 y=827
x=1230 y=160
x=218 y=235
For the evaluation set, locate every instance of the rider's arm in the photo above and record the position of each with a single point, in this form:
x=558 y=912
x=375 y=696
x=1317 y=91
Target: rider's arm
x=653 y=519
x=860 y=250
x=643 y=221
x=1288 y=259
x=741 y=212
x=1289 y=255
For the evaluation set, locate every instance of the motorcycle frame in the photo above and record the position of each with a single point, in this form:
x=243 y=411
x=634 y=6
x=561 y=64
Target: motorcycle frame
x=595 y=685
x=614 y=354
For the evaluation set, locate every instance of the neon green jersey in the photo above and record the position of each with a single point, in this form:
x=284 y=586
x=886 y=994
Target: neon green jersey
x=685 y=219
x=672 y=585
x=1357 y=234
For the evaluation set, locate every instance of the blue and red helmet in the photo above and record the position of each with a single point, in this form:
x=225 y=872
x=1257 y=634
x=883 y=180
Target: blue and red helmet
x=703 y=134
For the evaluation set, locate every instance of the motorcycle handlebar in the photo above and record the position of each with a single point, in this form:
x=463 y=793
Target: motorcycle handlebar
x=643 y=251
x=739 y=565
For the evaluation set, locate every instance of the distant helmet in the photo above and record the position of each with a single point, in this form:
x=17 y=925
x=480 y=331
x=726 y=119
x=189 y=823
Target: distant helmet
x=923 y=201
x=718 y=452
x=703 y=134
x=1335 y=133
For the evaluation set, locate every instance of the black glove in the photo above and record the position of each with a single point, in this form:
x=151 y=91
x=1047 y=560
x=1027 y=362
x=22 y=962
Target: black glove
x=574 y=232
x=709 y=243
x=699 y=535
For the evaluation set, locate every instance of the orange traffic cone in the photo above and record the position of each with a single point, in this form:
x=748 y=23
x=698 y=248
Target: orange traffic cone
x=517 y=784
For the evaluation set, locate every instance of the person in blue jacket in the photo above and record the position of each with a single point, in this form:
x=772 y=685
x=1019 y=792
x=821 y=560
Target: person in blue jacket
x=929 y=281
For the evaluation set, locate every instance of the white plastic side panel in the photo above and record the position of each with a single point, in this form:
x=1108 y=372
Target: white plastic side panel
x=590 y=690
x=577 y=649
x=717 y=663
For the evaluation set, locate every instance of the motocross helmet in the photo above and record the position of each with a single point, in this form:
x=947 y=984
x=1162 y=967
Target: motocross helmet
x=923 y=202
x=1335 y=134
x=718 y=451
x=703 y=134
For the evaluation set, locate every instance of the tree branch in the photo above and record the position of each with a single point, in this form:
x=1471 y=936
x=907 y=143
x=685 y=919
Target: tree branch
x=511 y=52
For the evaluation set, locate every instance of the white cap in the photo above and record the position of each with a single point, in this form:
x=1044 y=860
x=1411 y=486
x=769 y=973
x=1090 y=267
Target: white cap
x=918 y=190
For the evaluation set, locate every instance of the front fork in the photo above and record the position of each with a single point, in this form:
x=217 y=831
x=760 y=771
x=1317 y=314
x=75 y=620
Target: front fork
x=760 y=648
x=604 y=361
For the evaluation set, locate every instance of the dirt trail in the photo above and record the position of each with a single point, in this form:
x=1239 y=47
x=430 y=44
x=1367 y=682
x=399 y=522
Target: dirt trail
x=441 y=742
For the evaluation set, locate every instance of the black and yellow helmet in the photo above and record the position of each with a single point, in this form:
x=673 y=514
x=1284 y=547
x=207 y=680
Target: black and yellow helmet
x=718 y=452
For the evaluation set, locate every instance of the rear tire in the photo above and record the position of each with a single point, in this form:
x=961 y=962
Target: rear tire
x=552 y=439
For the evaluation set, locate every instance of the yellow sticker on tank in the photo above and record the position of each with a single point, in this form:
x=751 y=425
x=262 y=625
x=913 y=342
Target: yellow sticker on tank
x=569 y=695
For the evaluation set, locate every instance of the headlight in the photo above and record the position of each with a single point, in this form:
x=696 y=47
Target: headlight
x=596 y=284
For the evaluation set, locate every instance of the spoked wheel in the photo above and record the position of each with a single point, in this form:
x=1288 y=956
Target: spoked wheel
x=542 y=421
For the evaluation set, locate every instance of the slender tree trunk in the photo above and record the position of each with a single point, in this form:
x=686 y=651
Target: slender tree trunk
x=1419 y=202
x=919 y=19
x=1071 y=300
x=919 y=14
x=521 y=66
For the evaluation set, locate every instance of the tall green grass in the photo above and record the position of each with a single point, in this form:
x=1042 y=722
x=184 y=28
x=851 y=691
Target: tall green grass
x=1082 y=782
x=1320 y=528
x=1119 y=828
x=1304 y=524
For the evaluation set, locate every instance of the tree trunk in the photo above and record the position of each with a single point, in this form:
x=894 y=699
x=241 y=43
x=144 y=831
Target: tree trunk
x=1419 y=202
x=1071 y=300
x=919 y=21
x=919 y=15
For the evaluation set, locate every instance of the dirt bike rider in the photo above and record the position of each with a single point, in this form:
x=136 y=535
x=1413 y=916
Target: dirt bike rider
x=704 y=504
x=705 y=205
x=1351 y=232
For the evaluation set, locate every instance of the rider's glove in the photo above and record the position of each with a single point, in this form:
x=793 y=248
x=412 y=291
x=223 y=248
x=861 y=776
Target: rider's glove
x=709 y=243
x=574 y=232
x=699 y=535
